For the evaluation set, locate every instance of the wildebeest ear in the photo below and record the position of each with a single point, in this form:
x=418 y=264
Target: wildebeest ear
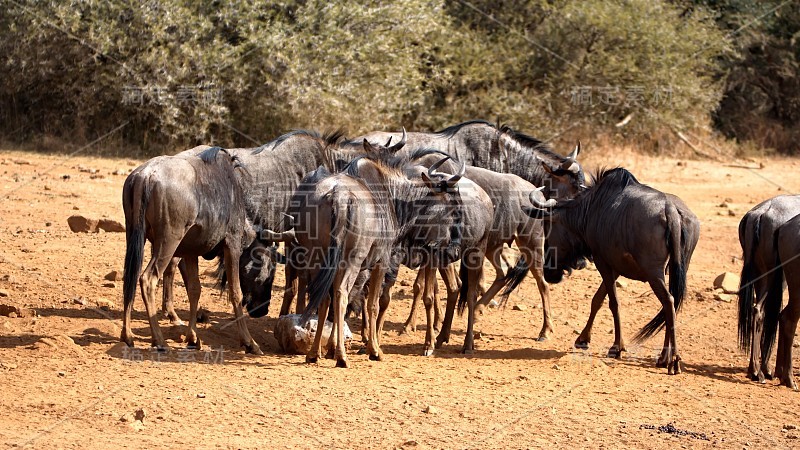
x=368 y=147
x=428 y=181
x=547 y=167
x=536 y=213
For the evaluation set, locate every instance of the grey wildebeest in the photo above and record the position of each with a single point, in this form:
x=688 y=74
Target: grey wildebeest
x=787 y=243
x=187 y=206
x=759 y=305
x=351 y=221
x=275 y=170
x=501 y=149
x=629 y=229
x=476 y=212
x=509 y=194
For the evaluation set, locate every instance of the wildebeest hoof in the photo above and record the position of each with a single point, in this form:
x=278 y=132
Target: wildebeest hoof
x=376 y=357
x=581 y=344
x=468 y=351
x=196 y=345
x=615 y=352
x=343 y=363
x=674 y=368
x=159 y=348
x=768 y=375
x=331 y=353
x=427 y=352
x=312 y=359
x=253 y=349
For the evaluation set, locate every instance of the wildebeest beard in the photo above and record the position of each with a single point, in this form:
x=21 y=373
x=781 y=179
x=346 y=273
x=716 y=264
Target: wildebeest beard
x=568 y=253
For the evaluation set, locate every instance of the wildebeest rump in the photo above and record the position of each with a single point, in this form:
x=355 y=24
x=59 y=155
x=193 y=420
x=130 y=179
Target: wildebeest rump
x=629 y=229
x=759 y=305
x=501 y=149
x=187 y=206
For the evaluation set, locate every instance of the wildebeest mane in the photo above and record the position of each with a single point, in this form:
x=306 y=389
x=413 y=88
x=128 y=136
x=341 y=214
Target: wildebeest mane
x=453 y=129
x=328 y=139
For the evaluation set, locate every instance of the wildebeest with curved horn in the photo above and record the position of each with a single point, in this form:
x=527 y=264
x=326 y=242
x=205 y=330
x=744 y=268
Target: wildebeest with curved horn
x=629 y=229
x=759 y=305
x=509 y=194
x=276 y=169
x=787 y=243
x=500 y=149
x=187 y=206
x=356 y=218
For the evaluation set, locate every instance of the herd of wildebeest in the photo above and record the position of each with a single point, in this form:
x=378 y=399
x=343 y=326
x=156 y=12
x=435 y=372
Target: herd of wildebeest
x=349 y=212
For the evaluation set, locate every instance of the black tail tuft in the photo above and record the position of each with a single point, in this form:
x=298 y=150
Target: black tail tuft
x=134 y=251
x=772 y=305
x=747 y=283
x=514 y=276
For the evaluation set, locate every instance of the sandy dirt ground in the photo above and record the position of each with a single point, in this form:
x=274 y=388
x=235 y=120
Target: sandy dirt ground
x=67 y=382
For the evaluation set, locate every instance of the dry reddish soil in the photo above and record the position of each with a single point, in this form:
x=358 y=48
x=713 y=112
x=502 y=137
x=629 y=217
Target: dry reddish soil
x=68 y=383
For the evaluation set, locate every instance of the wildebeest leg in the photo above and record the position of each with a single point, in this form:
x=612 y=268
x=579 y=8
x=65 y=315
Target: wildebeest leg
x=191 y=277
x=788 y=326
x=754 y=370
x=341 y=295
x=330 y=346
x=231 y=256
x=385 y=300
x=322 y=316
x=473 y=275
x=427 y=298
x=163 y=247
x=585 y=337
x=437 y=307
x=494 y=257
x=533 y=251
x=613 y=304
x=419 y=285
x=167 y=304
x=669 y=356
x=374 y=294
x=451 y=282
x=290 y=289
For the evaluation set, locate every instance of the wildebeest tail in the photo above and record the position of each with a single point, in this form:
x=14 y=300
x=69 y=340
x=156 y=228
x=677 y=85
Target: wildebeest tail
x=138 y=198
x=678 y=262
x=751 y=235
x=514 y=276
x=772 y=303
x=321 y=285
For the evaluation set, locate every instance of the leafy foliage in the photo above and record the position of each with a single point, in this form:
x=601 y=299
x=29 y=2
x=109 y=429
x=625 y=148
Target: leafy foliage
x=181 y=72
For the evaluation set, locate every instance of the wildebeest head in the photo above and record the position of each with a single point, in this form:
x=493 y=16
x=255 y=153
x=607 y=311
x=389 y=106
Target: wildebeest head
x=565 y=251
x=428 y=208
x=257 y=273
x=565 y=179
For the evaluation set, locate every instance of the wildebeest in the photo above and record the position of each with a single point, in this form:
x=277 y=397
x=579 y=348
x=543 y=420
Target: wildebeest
x=187 y=206
x=509 y=194
x=787 y=243
x=759 y=306
x=629 y=229
x=276 y=169
x=501 y=149
x=356 y=218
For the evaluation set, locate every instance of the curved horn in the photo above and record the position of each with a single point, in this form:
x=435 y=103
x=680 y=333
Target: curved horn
x=389 y=142
x=400 y=144
x=274 y=236
x=575 y=152
x=455 y=178
x=549 y=204
x=436 y=165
